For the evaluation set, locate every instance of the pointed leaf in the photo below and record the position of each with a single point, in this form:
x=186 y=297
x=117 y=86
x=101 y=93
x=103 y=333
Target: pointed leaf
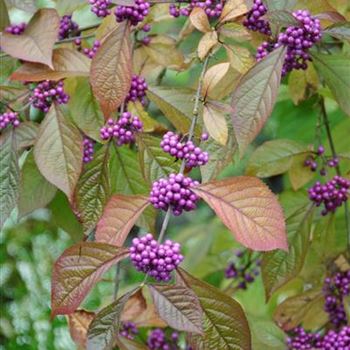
x=154 y=162
x=9 y=175
x=93 y=189
x=66 y=63
x=78 y=323
x=199 y=19
x=77 y=270
x=340 y=31
x=58 y=151
x=111 y=69
x=119 y=216
x=215 y=123
x=104 y=328
x=84 y=109
x=281 y=18
x=37 y=41
x=206 y=44
x=34 y=190
x=279 y=267
x=179 y=307
x=249 y=209
x=255 y=96
x=213 y=77
x=335 y=69
x=240 y=58
x=234 y=9
x=274 y=157
x=26 y=134
x=225 y=325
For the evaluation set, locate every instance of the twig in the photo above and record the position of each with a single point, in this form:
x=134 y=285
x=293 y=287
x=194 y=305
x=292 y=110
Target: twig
x=68 y=40
x=337 y=168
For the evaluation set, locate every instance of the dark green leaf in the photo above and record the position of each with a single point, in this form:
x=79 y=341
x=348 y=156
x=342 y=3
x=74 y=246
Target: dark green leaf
x=281 y=18
x=225 y=325
x=9 y=175
x=34 y=190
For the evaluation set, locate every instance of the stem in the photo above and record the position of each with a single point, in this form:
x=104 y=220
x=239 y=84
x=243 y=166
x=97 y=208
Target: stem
x=116 y=281
x=68 y=40
x=337 y=168
x=164 y=225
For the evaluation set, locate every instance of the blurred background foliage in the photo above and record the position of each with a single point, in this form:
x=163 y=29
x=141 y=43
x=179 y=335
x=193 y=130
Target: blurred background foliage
x=30 y=246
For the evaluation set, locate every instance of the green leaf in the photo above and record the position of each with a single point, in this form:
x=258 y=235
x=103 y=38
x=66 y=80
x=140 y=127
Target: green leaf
x=279 y=267
x=299 y=174
x=129 y=180
x=254 y=97
x=127 y=344
x=93 y=188
x=9 y=175
x=281 y=18
x=178 y=306
x=77 y=270
x=58 y=151
x=104 y=328
x=225 y=325
x=274 y=157
x=154 y=162
x=34 y=190
x=4 y=16
x=26 y=134
x=176 y=104
x=83 y=108
x=280 y=4
x=340 y=31
x=335 y=70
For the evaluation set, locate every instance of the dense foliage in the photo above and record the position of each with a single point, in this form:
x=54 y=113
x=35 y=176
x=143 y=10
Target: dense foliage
x=176 y=174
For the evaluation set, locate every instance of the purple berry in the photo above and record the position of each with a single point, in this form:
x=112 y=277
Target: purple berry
x=154 y=259
x=134 y=14
x=100 y=7
x=9 y=118
x=88 y=149
x=174 y=192
x=137 y=90
x=91 y=52
x=128 y=330
x=212 y=8
x=299 y=339
x=254 y=21
x=16 y=29
x=67 y=28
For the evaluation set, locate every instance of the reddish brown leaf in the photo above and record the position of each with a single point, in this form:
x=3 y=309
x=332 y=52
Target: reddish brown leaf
x=79 y=323
x=77 y=270
x=249 y=209
x=119 y=216
x=199 y=19
x=66 y=63
x=111 y=69
x=37 y=41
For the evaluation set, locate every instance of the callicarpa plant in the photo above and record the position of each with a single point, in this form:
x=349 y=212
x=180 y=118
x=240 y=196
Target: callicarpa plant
x=197 y=154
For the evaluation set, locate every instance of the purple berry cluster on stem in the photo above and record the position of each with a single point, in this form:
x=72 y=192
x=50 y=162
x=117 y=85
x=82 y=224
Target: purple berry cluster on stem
x=243 y=269
x=335 y=289
x=91 y=52
x=212 y=8
x=154 y=259
x=67 y=27
x=128 y=330
x=100 y=7
x=193 y=156
x=297 y=39
x=47 y=92
x=158 y=340
x=299 y=339
x=174 y=192
x=135 y=14
x=137 y=90
x=334 y=340
x=16 y=29
x=122 y=130
x=9 y=118
x=88 y=146
x=331 y=194
x=253 y=20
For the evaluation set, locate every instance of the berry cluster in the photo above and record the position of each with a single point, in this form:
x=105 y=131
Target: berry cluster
x=154 y=259
x=299 y=339
x=123 y=129
x=134 y=14
x=128 y=330
x=158 y=340
x=243 y=269
x=212 y=8
x=335 y=289
x=88 y=149
x=254 y=21
x=332 y=194
x=337 y=340
x=91 y=52
x=100 y=7
x=7 y=119
x=174 y=192
x=67 y=27
x=297 y=39
x=47 y=92
x=137 y=90
x=16 y=29
x=192 y=155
